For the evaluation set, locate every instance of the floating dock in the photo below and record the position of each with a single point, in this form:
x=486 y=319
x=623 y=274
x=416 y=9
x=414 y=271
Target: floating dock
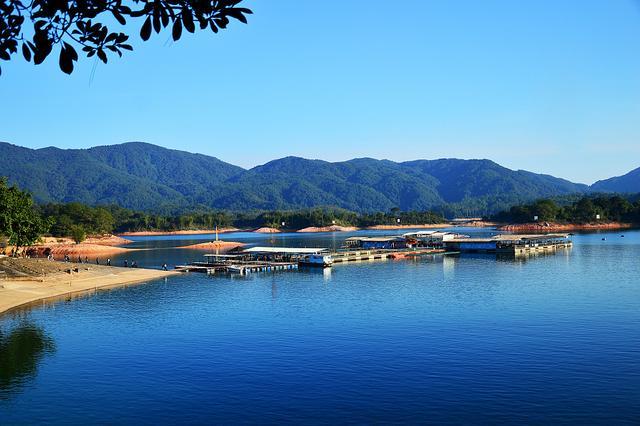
x=238 y=267
x=272 y=259
x=515 y=244
x=343 y=256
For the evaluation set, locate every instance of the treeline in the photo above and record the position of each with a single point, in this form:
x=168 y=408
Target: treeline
x=585 y=210
x=79 y=220
x=396 y=217
x=66 y=218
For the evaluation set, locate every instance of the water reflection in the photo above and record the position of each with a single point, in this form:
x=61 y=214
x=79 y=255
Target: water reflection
x=326 y=273
x=22 y=347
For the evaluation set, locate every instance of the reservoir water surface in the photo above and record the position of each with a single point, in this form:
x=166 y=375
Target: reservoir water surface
x=456 y=338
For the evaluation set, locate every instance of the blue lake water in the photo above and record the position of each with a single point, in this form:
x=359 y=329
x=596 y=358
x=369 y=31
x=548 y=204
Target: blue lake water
x=465 y=338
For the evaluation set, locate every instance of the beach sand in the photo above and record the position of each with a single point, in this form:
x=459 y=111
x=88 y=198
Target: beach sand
x=214 y=245
x=331 y=228
x=28 y=288
x=564 y=227
x=101 y=247
x=189 y=232
x=266 y=230
x=424 y=226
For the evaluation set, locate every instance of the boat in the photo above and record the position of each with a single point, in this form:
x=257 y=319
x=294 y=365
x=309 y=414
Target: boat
x=319 y=260
x=235 y=269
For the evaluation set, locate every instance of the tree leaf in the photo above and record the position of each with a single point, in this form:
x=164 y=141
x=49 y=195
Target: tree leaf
x=119 y=17
x=156 y=21
x=65 y=61
x=102 y=55
x=26 y=52
x=72 y=51
x=187 y=20
x=237 y=13
x=145 y=31
x=177 y=30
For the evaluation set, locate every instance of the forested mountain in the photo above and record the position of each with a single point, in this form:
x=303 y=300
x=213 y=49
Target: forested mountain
x=187 y=173
x=133 y=175
x=629 y=183
x=53 y=174
x=148 y=177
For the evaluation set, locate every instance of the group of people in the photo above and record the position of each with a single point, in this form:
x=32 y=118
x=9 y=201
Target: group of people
x=126 y=263
x=67 y=258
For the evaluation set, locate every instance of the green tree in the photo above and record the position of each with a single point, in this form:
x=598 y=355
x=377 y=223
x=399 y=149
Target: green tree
x=75 y=22
x=546 y=210
x=78 y=234
x=19 y=220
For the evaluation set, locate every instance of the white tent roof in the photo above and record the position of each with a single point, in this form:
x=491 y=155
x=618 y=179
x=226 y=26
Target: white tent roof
x=285 y=250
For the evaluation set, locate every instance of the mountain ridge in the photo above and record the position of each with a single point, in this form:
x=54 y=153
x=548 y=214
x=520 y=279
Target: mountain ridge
x=144 y=176
x=629 y=183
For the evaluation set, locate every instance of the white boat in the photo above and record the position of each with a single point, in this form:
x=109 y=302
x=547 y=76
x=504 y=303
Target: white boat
x=235 y=269
x=320 y=260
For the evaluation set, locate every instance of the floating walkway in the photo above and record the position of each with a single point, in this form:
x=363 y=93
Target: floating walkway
x=272 y=259
x=237 y=268
x=344 y=256
x=514 y=244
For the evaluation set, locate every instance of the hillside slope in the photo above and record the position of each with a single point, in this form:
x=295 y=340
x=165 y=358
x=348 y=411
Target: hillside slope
x=143 y=176
x=628 y=183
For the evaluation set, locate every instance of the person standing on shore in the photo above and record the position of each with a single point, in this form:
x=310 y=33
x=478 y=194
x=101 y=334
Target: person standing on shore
x=164 y=267
x=126 y=263
x=109 y=262
x=97 y=261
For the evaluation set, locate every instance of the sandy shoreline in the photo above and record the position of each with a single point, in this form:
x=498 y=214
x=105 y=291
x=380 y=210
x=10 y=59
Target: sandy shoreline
x=266 y=230
x=15 y=293
x=330 y=228
x=424 y=226
x=187 y=232
x=214 y=245
x=560 y=227
x=96 y=246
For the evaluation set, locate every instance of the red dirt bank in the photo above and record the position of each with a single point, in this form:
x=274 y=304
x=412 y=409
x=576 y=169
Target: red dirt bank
x=562 y=227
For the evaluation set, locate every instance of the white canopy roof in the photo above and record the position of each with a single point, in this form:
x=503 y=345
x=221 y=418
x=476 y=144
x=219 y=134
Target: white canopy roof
x=285 y=250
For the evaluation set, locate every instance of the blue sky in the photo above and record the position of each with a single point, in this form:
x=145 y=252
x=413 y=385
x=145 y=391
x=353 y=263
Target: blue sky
x=546 y=86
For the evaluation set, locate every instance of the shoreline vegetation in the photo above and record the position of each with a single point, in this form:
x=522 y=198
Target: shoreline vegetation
x=78 y=230
x=586 y=214
x=24 y=282
x=560 y=227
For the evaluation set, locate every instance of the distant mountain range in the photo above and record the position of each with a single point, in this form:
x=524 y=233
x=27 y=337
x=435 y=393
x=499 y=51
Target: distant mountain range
x=148 y=177
x=629 y=183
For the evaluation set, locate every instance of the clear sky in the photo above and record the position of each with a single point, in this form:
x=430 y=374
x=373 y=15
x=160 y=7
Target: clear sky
x=543 y=85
